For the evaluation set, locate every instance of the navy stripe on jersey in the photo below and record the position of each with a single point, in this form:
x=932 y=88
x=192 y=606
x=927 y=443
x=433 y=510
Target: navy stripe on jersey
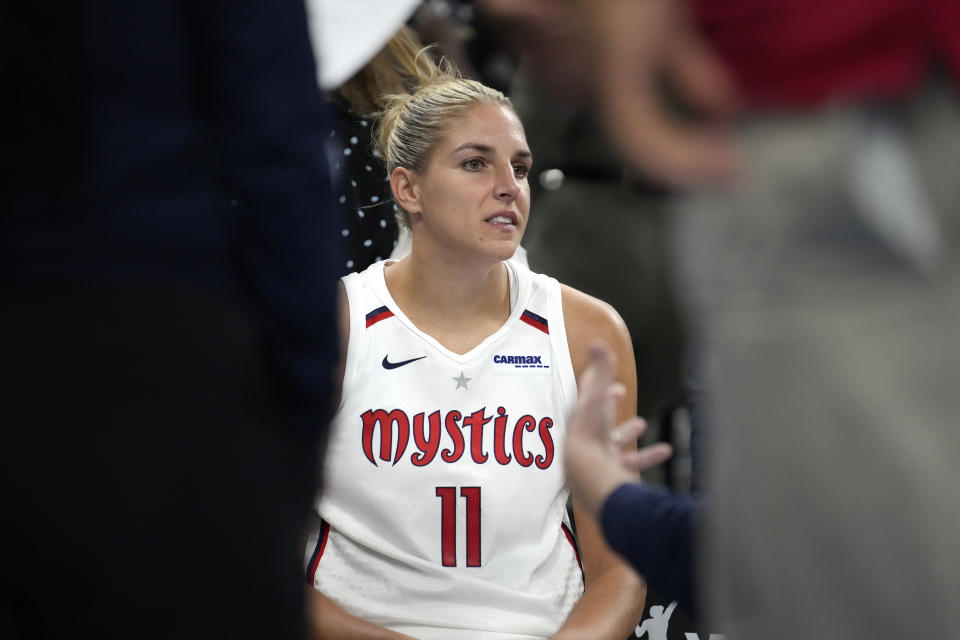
x=573 y=543
x=378 y=314
x=318 y=551
x=538 y=322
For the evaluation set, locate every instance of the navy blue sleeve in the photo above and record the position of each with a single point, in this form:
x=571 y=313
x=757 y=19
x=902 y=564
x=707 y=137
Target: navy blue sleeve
x=267 y=116
x=654 y=531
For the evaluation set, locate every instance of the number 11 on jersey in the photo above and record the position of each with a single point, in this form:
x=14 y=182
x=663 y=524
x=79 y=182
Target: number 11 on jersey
x=448 y=524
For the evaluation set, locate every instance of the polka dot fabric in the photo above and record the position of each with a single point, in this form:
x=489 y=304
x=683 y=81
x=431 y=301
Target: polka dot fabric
x=363 y=191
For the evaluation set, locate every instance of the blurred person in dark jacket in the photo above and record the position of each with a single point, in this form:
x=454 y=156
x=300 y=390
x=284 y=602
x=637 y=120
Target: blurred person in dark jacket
x=166 y=317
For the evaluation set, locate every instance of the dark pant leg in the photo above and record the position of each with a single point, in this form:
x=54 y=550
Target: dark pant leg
x=148 y=487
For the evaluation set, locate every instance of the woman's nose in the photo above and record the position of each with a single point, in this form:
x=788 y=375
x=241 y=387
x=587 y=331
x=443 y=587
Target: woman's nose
x=507 y=187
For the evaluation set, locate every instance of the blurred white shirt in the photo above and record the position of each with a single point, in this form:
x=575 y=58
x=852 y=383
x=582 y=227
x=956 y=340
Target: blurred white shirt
x=346 y=35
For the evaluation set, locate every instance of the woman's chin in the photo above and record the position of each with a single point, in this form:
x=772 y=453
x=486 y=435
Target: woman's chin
x=504 y=249
x=505 y=254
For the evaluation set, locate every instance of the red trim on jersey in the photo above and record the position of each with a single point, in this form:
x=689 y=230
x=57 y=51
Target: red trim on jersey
x=535 y=321
x=573 y=543
x=383 y=315
x=318 y=551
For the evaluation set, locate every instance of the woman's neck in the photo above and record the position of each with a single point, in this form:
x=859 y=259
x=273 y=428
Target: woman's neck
x=456 y=302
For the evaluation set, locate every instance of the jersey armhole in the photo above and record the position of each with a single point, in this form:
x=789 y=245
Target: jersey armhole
x=558 y=338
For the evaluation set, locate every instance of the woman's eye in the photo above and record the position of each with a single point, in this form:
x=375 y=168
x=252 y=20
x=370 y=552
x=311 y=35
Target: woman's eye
x=521 y=170
x=474 y=164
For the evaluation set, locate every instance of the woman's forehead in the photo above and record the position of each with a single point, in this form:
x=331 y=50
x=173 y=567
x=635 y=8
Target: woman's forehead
x=491 y=125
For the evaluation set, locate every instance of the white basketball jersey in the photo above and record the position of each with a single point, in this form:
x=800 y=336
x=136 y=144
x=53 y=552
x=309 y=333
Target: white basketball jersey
x=444 y=507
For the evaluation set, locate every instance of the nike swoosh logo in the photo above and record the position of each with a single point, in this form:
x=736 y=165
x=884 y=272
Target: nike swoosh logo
x=393 y=365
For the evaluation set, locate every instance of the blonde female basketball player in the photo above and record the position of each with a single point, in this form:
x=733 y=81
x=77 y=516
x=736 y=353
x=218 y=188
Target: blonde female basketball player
x=443 y=513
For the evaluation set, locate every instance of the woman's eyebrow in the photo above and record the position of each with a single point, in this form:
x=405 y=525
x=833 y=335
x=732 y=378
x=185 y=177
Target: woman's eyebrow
x=476 y=146
x=483 y=148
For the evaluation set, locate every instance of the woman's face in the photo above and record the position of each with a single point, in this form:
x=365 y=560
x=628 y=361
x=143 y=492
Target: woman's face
x=473 y=194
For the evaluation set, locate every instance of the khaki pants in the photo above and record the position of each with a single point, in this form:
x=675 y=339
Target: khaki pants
x=827 y=294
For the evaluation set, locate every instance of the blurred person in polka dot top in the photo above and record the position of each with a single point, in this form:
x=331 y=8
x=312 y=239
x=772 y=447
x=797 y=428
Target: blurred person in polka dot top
x=361 y=186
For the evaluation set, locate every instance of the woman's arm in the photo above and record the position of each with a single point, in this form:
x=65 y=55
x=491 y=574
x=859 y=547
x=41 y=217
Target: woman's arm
x=327 y=621
x=613 y=598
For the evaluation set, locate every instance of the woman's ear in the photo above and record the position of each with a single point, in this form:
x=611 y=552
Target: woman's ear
x=406 y=189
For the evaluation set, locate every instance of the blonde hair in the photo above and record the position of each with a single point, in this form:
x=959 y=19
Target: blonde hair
x=411 y=123
x=397 y=68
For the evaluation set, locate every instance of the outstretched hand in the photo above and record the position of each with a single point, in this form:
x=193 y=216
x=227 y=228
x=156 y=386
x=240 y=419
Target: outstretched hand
x=600 y=455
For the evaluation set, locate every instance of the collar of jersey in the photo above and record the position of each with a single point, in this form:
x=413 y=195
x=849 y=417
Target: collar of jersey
x=379 y=285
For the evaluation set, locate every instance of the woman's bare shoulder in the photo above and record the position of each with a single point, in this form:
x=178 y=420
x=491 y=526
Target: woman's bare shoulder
x=588 y=318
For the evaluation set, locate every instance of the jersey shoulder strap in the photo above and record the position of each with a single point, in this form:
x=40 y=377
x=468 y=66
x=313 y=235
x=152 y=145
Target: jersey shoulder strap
x=543 y=309
x=365 y=308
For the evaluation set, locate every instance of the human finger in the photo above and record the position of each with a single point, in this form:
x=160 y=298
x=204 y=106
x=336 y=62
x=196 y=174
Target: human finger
x=598 y=375
x=646 y=457
x=628 y=431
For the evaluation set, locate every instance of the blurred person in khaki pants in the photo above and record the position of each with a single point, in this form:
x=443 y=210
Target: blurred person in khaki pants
x=817 y=252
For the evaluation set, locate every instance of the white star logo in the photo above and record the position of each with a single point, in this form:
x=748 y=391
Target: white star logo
x=462 y=381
